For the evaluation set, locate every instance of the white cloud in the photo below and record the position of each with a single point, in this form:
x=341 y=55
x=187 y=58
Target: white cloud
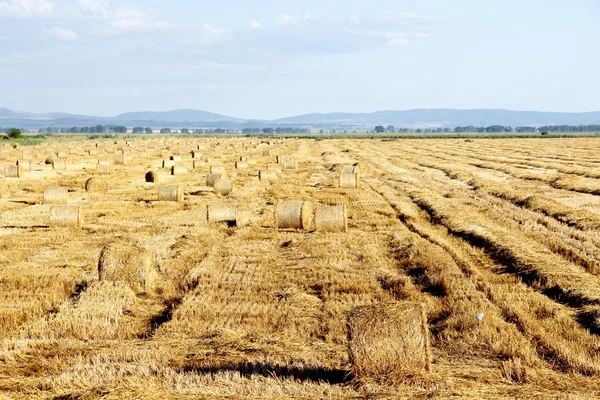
x=96 y=7
x=211 y=35
x=62 y=33
x=26 y=8
x=253 y=25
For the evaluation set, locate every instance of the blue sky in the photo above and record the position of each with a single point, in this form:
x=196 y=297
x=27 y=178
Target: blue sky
x=269 y=59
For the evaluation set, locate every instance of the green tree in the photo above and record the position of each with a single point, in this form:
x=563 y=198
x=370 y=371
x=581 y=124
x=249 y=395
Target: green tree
x=14 y=133
x=379 y=129
x=148 y=130
x=165 y=130
x=138 y=129
x=390 y=129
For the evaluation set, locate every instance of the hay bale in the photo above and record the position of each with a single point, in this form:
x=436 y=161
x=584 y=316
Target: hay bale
x=50 y=160
x=119 y=159
x=241 y=165
x=349 y=180
x=217 y=169
x=66 y=216
x=289 y=163
x=2 y=155
x=212 y=178
x=104 y=169
x=205 y=158
x=55 y=195
x=151 y=177
x=131 y=264
x=92 y=152
x=104 y=162
x=13 y=171
x=223 y=187
x=175 y=158
x=26 y=164
x=59 y=164
x=388 y=341
x=168 y=164
x=170 y=193
x=274 y=167
x=269 y=176
x=266 y=153
x=221 y=213
x=96 y=185
x=178 y=170
x=62 y=154
x=331 y=218
x=294 y=214
x=349 y=169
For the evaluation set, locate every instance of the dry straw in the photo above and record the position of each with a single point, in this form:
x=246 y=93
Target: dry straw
x=55 y=195
x=217 y=169
x=66 y=216
x=104 y=162
x=50 y=160
x=221 y=213
x=120 y=159
x=25 y=164
x=168 y=164
x=212 y=178
x=331 y=218
x=267 y=175
x=349 y=180
x=2 y=155
x=131 y=264
x=294 y=214
x=170 y=193
x=223 y=187
x=59 y=164
x=96 y=185
x=178 y=170
x=13 y=171
x=102 y=169
x=241 y=165
x=389 y=341
x=175 y=158
x=274 y=167
x=151 y=177
x=289 y=163
x=62 y=154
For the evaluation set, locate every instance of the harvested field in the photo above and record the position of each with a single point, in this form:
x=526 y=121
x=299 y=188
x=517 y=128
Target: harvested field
x=496 y=241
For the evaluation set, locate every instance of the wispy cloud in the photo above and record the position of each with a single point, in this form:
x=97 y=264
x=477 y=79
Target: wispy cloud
x=26 y=8
x=62 y=33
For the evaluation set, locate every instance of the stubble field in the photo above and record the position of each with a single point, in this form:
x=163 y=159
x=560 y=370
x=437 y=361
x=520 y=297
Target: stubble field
x=509 y=228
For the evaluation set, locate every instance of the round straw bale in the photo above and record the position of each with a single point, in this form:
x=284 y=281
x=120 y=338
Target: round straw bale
x=55 y=195
x=349 y=169
x=217 y=169
x=175 y=158
x=205 y=158
x=267 y=175
x=331 y=218
x=167 y=164
x=175 y=170
x=103 y=169
x=151 y=177
x=26 y=164
x=66 y=216
x=96 y=185
x=389 y=341
x=59 y=164
x=62 y=154
x=27 y=155
x=170 y=193
x=50 y=160
x=222 y=213
x=211 y=179
x=289 y=163
x=121 y=159
x=349 y=180
x=274 y=167
x=93 y=152
x=243 y=158
x=266 y=153
x=104 y=162
x=223 y=186
x=241 y=165
x=131 y=264
x=2 y=155
x=294 y=214
x=13 y=171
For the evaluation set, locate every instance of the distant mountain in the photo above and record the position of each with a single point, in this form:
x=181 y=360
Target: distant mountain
x=184 y=115
x=419 y=118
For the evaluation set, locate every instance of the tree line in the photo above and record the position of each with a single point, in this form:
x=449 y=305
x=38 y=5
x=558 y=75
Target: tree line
x=86 y=129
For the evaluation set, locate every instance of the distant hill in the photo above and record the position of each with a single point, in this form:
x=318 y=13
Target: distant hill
x=418 y=118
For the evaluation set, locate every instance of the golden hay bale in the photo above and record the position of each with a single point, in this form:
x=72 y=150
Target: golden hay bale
x=151 y=177
x=388 y=341
x=205 y=158
x=13 y=171
x=96 y=185
x=66 y=216
x=294 y=214
x=349 y=181
x=170 y=193
x=175 y=158
x=59 y=164
x=50 y=160
x=122 y=159
x=27 y=155
x=26 y=164
x=217 y=169
x=104 y=162
x=241 y=165
x=221 y=213
x=267 y=175
x=55 y=195
x=251 y=161
x=178 y=170
x=331 y=218
x=93 y=152
x=266 y=153
x=197 y=164
x=212 y=178
x=223 y=187
x=131 y=264
x=167 y=164
x=2 y=155
x=290 y=163
x=349 y=169
x=243 y=158
x=274 y=167
x=62 y=154
x=102 y=169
